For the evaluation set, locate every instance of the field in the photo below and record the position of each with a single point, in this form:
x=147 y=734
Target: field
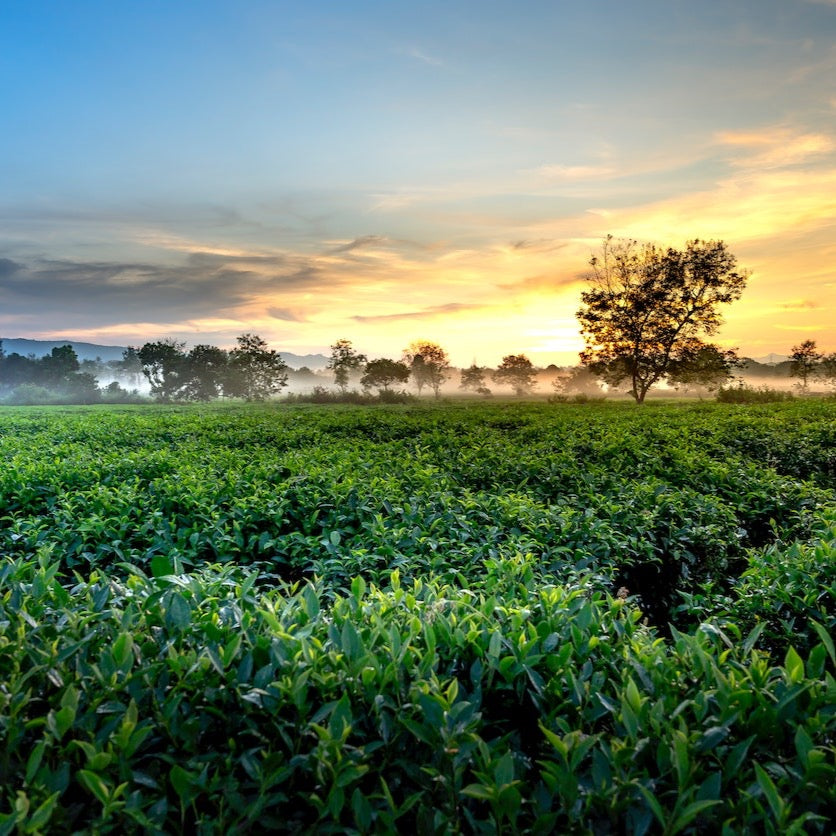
x=460 y=618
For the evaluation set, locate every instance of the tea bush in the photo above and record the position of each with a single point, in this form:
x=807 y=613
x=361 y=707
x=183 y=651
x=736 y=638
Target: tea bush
x=544 y=618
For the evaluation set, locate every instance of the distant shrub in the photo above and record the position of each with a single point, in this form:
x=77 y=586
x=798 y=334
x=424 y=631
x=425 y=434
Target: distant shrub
x=114 y=393
x=322 y=395
x=750 y=394
x=30 y=394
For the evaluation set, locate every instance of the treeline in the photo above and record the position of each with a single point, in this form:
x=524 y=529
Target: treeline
x=254 y=372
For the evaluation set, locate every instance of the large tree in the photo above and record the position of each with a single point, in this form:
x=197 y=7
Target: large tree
x=518 y=372
x=428 y=363
x=646 y=305
x=164 y=365
x=206 y=372
x=256 y=371
x=344 y=360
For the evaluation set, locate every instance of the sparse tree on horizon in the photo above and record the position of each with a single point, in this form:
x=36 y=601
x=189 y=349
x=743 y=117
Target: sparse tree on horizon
x=518 y=372
x=381 y=374
x=206 y=370
x=344 y=360
x=646 y=306
x=255 y=371
x=473 y=380
x=163 y=364
x=428 y=363
x=805 y=359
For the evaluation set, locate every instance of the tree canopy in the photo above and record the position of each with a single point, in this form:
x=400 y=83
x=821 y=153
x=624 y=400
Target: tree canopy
x=518 y=372
x=428 y=363
x=381 y=374
x=343 y=361
x=256 y=371
x=648 y=308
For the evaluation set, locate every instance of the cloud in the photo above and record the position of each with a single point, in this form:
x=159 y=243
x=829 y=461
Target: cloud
x=435 y=310
x=284 y=314
x=540 y=245
x=777 y=147
x=8 y=267
x=801 y=305
x=575 y=172
x=544 y=283
x=363 y=242
x=424 y=57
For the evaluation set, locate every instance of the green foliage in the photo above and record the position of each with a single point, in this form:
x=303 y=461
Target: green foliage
x=413 y=619
x=751 y=394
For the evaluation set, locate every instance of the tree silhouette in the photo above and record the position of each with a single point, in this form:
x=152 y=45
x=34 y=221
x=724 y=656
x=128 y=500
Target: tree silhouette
x=646 y=307
x=381 y=374
x=518 y=372
x=428 y=363
x=344 y=360
x=256 y=371
x=805 y=359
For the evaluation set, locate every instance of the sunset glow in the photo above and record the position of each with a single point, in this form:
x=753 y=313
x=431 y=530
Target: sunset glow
x=385 y=172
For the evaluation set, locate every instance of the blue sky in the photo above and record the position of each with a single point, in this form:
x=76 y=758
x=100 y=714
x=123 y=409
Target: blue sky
x=392 y=171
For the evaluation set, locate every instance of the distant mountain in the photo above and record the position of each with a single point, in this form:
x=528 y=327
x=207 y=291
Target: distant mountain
x=771 y=359
x=84 y=351
x=92 y=351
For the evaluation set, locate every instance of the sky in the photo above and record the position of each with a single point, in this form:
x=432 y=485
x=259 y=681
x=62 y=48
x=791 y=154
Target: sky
x=391 y=171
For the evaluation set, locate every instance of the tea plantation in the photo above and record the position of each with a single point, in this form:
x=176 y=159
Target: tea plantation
x=422 y=619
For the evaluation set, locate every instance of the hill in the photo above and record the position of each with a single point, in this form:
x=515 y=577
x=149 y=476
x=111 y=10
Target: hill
x=93 y=351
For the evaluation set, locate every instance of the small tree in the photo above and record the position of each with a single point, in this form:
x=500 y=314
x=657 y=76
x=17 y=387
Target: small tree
x=703 y=366
x=381 y=374
x=827 y=369
x=129 y=367
x=344 y=360
x=576 y=381
x=805 y=359
x=428 y=363
x=163 y=364
x=256 y=371
x=473 y=380
x=646 y=306
x=56 y=367
x=517 y=371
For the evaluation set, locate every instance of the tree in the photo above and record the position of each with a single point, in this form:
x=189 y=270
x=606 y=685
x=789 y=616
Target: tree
x=129 y=367
x=704 y=366
x=428 y=363
x=805 y=359
x=381 y=374
x=576 y=381
x=517 y=371
x=827 y=369
x=57 y=366
x=344 y=360
x=473 y=380
x=256 y=370
x=205 y=372
x=646 y=306
x=164 y=366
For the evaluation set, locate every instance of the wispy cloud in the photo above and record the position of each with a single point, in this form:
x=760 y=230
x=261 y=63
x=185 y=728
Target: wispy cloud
x=575 y=172
x=424 y=313
x=424 y=57
x=776 y=147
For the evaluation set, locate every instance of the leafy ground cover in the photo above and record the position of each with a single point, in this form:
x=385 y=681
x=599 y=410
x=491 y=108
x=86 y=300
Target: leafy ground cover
x=480 y=618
